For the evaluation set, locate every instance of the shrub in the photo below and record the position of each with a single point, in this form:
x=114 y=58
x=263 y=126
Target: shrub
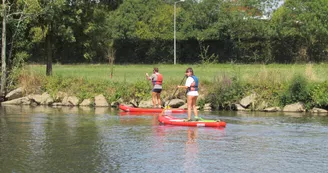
x=201 y=103
x=319 y=94
x=297 y=91
x=140 y=91
x=227 y=90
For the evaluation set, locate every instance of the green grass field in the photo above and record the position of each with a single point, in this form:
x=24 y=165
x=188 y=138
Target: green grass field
x=133 y=73
x=223 y=84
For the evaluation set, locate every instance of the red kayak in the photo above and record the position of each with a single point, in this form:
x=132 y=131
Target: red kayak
x=165 y=119
x=153 y=110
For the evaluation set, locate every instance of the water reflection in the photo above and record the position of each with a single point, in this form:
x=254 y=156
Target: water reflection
x=24 y=110
x=71 y=139
x=191 y=150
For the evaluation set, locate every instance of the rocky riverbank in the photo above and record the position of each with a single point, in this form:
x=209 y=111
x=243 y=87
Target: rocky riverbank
x=248 y=103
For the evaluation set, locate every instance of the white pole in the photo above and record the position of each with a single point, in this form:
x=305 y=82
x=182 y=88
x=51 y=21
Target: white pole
x=175 y=40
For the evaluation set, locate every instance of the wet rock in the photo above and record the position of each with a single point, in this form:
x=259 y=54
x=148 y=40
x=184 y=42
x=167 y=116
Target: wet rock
x=17 y=93
x=322 y=112
x=296 y=107
x=146 y=104
x=86 y=102
x=70 y=101
x=272 y=109
x=60 y=96
x=100 y=101
x=19 y=101
x=246 y=101
x=207 y=107
x=37 y=98
x=46 y=99
x=57 y=104
x=175 y=103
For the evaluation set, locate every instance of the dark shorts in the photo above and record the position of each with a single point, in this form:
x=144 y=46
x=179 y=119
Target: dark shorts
x=156 y=90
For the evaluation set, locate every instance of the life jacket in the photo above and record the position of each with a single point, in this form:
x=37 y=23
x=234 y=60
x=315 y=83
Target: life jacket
x=194 y=84
x=159 y=80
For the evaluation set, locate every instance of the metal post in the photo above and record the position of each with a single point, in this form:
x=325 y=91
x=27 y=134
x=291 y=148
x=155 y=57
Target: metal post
x=175 y=39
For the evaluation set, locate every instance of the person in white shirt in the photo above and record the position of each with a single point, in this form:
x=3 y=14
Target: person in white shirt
x=192 y=93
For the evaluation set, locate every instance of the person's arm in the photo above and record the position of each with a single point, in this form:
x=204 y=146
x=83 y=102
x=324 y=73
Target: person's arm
x=147 y=77
x=181 y=86
x=187 y=85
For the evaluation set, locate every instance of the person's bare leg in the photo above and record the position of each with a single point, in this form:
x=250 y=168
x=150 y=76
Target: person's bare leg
x=189 y=103
x=194 y=101
x=158 y=95
x=153 y=96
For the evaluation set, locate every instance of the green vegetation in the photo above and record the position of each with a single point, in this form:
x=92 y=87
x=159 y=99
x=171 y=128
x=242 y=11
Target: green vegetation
x=220 y=84
x=298 y=90
x=255 y=73
x=226 y=91
x=141 y=32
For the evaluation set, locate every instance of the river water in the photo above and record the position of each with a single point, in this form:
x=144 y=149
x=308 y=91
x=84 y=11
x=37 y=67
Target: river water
x=43 y=139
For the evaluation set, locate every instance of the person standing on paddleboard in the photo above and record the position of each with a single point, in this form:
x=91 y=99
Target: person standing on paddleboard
x=157 y=80
x=192 y=92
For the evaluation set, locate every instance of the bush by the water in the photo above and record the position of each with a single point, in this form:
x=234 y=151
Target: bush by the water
x=297 y=91
x=319 y=94
x=226 y=91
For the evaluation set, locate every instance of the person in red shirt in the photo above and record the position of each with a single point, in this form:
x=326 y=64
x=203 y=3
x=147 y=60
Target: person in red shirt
x=157 y=80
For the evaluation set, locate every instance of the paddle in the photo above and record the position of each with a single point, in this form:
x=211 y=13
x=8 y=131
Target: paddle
x=167 y=107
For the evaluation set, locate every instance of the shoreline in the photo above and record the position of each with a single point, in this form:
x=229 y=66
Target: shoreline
x=232 y=89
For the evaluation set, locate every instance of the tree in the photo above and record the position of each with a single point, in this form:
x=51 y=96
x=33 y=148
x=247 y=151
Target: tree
x=15 y=13
x=302 y=30
x=3 y=49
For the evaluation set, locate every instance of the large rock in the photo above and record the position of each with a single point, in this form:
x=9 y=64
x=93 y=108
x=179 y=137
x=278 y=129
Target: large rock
x=60 y=96
x=19 y=101
x=101 y=101
x=246 y=101
x=319 y=111
x=36 y=98
x=57 y=104
x=86 y=102
x=17 y=93
x=272 y=109
x=46 y=99
x=70 y=101
x=296 y=107
x=146 y=104
x=207 y=107
x=175 y=103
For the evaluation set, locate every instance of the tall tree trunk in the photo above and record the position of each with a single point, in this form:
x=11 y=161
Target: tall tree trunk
x=49 y=52
x=3 y=51
x=10 y=50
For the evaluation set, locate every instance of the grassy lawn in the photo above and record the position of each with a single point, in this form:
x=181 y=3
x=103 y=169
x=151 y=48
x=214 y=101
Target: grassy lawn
x=133 y=73
x=224 y=84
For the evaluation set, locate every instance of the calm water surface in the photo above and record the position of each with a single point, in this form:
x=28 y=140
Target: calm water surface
x=44 y=139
